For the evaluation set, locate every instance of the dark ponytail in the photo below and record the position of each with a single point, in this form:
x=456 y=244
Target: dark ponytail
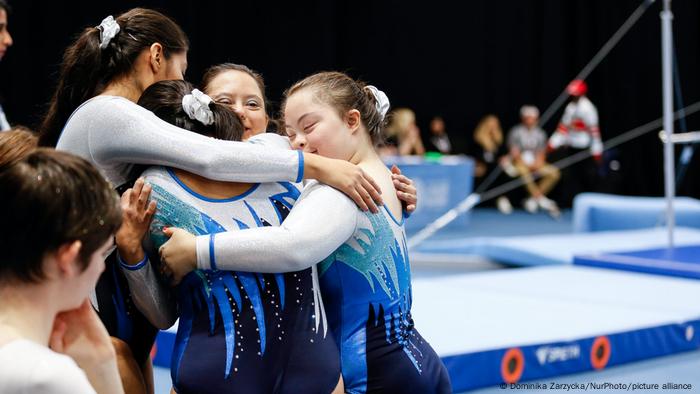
x=164 y=99
x=86 y=69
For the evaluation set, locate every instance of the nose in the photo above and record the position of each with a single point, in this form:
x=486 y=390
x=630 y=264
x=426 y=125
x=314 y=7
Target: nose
x=299 y=142
x=7 y=40
x=238 y=110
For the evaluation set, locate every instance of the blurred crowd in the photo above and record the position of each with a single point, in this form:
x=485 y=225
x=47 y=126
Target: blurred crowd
x=527 y=152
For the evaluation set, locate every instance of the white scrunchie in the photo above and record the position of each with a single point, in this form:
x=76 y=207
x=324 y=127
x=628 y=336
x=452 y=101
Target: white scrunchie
x=382 y=100
x=108 y=29
x=196 y=105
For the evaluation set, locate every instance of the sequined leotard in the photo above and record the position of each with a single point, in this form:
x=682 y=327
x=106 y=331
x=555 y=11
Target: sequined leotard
x=365 y=281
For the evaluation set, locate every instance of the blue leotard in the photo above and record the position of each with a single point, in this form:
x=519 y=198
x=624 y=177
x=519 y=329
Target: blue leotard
x=365 y=281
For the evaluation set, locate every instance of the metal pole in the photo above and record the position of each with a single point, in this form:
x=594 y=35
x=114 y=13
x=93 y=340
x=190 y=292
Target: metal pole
x=666 y=78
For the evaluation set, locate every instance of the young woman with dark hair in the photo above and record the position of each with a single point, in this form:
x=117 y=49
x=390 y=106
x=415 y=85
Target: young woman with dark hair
x=54 y=239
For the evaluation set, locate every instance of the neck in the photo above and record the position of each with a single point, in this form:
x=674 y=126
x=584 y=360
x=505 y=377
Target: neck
x=128 y=88
x=26 y=312
x=364 y=153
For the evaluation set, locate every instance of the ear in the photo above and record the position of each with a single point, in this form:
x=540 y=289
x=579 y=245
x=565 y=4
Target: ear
x=67 y=256
x=156 y=58
x=353 y=120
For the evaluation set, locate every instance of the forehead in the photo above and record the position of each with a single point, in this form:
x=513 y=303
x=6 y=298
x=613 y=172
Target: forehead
x=302 y=102
x=234 y=81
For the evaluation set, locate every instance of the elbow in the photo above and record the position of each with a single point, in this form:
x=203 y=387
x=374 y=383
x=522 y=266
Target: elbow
x=306 y=255
x=300 y=261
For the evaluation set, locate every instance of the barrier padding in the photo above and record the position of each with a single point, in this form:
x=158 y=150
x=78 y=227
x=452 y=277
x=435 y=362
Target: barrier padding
x=608 y=212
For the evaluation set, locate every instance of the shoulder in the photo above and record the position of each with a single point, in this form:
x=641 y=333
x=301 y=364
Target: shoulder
x=100 y=103
x=37 y=369
x=156 y=175
x=324 y=192
x=518 y=128
x=108 y=109
x=587 y=104
x=164 y=182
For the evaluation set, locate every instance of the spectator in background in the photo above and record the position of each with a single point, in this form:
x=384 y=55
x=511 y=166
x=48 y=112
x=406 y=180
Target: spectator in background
x=403 y=133
x=439 y=140
x=487 y=151
x=488 y=147
x=527 y=144
x=578 y=131
x=5 y=43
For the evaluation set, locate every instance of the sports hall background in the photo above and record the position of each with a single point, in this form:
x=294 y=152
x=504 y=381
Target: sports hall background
x=461 y=60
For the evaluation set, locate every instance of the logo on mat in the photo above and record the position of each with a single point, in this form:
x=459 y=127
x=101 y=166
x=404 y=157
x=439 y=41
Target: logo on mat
x=552 y=354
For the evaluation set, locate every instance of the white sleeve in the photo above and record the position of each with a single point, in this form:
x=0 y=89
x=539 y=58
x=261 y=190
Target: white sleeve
x=272 y=140
x=150 y=294
x=120 y=131
x=322 y=219
x=58 y=375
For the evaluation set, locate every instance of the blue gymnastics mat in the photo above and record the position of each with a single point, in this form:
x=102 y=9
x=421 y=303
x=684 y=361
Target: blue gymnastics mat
x=532 y=323
x=538 y=322
x=682 y=261
x=548 y=249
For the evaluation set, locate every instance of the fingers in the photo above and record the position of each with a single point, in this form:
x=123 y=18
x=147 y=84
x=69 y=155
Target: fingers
x=56 y=338
x=408 y=198
x=135 y=203
x=410 y=208
x=374 y=188
x=395 y=169
x=144 y=193
x=168 y=231
x=403 y=183
x=150 y=210
x=138 y=188
x=357 y=198
x=125 y=199
x=370 y=195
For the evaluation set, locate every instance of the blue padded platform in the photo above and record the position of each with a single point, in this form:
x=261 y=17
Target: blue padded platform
x=683 y=261
x=550 y=249
x=606 y=212
x=532 y=323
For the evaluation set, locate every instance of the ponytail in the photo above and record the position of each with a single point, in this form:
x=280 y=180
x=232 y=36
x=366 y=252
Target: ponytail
x=87 y=69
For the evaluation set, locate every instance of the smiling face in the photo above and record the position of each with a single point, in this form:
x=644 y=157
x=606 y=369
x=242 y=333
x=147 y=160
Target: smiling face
x=240 y=92
x=315 y=127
